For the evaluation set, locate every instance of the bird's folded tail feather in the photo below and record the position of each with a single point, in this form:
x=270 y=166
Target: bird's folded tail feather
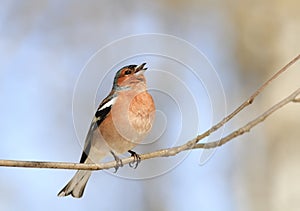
x=76 y=185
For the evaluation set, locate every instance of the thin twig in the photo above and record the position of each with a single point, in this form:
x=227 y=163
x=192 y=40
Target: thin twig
x=251 y=124
x=192 y=144
x=247 y=102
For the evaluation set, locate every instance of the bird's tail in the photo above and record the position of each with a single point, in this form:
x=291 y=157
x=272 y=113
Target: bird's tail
x=76 y=185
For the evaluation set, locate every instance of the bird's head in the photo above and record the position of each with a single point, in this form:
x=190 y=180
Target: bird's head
x=129 y=77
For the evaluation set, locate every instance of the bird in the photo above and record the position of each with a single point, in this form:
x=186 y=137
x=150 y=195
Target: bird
x=123 y=119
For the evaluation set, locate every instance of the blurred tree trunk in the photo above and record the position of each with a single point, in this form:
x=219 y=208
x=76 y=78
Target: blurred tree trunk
x=266 y=38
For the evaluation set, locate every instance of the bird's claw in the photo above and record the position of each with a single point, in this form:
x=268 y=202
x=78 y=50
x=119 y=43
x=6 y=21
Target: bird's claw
x=119 y=162
x=136 y=159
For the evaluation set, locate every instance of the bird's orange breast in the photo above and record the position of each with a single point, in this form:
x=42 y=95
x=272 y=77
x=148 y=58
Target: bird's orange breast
x=130 y=120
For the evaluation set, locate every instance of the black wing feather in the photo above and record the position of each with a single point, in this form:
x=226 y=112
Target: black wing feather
x=100 y=115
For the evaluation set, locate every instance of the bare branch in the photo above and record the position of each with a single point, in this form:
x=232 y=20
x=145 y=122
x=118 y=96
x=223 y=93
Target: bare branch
x=251 y=124
x=192 y=144
x=247 y=102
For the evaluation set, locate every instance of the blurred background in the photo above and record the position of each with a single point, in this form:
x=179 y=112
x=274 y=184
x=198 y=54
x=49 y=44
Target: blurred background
x=45 y=44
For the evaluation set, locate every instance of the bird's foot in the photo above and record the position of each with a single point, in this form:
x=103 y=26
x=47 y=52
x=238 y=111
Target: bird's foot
x=119 y=162
x=136 y=159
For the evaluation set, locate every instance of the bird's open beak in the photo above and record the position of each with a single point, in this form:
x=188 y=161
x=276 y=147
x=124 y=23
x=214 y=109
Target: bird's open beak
x=140 y=69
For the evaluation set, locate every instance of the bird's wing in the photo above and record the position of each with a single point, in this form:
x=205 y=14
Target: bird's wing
x=101 y=113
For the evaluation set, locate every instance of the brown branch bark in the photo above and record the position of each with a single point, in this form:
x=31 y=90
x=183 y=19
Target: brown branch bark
x=192 y=144
x=251 y=124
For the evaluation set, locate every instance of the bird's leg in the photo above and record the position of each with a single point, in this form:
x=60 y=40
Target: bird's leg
x=119 y=162
x=136 y=159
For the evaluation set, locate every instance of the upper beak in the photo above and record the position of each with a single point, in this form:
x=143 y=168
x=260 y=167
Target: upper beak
x=140 y=69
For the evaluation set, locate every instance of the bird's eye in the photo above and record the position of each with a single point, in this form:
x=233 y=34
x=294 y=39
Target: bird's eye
x=128 y=72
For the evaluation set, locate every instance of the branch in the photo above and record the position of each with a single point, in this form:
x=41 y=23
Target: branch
x=247 y=102
x=192 y=144
x=251 y=124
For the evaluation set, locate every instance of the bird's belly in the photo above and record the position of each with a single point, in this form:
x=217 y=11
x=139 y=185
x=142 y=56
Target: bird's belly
x=123 y=137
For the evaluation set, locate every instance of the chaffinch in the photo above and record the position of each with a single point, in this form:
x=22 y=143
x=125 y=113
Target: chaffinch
x=122 y=121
